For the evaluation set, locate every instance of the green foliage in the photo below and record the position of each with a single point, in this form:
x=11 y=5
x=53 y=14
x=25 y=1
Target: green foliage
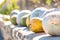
x=48 y=2
x=36 y=1
x=3 y=3
x=7 y=10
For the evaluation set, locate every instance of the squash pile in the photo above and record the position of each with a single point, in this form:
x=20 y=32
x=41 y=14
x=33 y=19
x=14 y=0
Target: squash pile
x=39 y=20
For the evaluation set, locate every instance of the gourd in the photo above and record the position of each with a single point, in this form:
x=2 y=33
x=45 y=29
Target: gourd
x=22 y=16
x=36 y=25
x=13 y=16
x=35 y=19
x=51 y=23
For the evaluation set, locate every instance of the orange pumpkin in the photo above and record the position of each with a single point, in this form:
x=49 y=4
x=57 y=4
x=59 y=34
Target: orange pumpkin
x=36 y=25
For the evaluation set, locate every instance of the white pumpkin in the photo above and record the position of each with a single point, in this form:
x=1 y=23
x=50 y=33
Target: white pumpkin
x=51 y=23
x=22 y=16
x=13 y=16
x=38 y=12
x=35 y=19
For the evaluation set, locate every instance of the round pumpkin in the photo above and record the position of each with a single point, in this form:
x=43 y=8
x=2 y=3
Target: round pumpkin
x=36 y=25
x=35 y=19
x=13 y=19
x=22 y=16
x=13 y=16
x=23 y=21
x=51 y=23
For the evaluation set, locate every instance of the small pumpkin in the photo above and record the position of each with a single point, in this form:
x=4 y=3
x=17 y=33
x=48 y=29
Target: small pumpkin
x=35 y=19
x=36 y=25
x=22 y=16
x=13 y=16
x=13 y=20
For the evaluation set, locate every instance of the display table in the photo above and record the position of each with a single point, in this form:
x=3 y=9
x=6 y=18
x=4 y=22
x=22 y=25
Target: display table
x=29 y=35
x=15 y=31
x=7 y=31
x=26 y=34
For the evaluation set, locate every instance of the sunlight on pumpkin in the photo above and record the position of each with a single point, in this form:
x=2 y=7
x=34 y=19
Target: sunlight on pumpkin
x=36 y=25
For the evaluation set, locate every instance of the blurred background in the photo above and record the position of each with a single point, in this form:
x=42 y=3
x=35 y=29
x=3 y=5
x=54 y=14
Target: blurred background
x=6 y=6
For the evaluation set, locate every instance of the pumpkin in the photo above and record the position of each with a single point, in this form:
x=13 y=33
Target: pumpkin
x=51 y=23
x=36 y=25
x=22 y=16
x=13 y=19
x=35 y=19
x=13 y=16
